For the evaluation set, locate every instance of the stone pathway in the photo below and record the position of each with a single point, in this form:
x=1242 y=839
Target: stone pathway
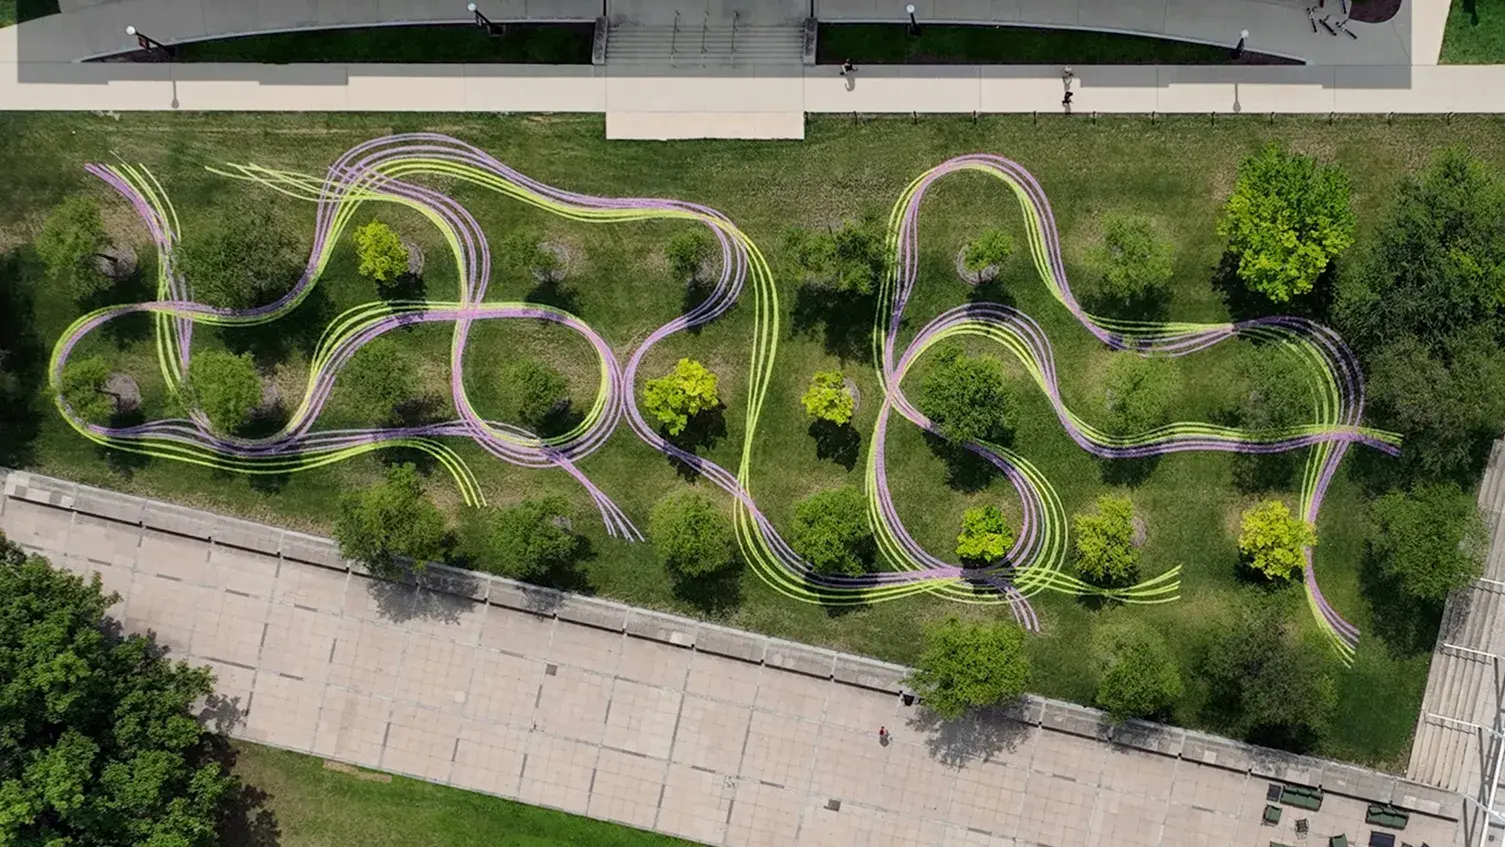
x=647 y=719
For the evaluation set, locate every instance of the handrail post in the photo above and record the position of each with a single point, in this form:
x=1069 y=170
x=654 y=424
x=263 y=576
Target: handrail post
x=735 y=16
x=705 y=29
x=674 y=39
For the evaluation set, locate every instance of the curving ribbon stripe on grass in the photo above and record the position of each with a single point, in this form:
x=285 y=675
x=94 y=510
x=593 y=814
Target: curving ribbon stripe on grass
x=382 y=170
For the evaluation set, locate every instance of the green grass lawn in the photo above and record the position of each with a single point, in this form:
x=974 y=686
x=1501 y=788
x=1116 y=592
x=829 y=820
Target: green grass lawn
x=21 y=11
x=555 y=44
x=940 y=44
x=1177 y=171
x=1466 y=41
x=308 y=805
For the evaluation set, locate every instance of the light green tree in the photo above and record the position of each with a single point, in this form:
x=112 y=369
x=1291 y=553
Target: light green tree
x=382 y=254
x=828 y=399
x=692 y=537
x=1286 y=221
x=681 y=394
x=985 y=537
x=1272 y=539
x=1105 y=549
x=991 y=248
x=72 y=243
x=388 y=522
x=225 y=386
x=1135 y=260
x=83 y=389
x=968 y=665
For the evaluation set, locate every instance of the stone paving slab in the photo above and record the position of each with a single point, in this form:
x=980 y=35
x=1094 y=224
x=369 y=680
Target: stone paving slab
x=653 y=720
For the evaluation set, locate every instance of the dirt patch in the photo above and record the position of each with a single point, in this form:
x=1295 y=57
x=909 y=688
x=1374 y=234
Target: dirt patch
x=415 y=257
x=971 y=277
x=123 y=388
x=851 y=386
x=117 y=262
x=566 y=257
x=1139 y=532
x=369 y=776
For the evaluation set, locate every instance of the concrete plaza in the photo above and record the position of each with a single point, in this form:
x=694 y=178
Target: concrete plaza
x=659 y=722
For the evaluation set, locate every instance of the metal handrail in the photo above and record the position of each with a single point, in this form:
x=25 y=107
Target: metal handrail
x=674 y=38
x=735 y=16
x=705 y=29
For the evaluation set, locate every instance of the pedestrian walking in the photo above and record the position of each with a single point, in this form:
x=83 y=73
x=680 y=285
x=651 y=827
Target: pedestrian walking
x=883 y=734
x=1066 y=101
x=1067 y=75
x=847 y=67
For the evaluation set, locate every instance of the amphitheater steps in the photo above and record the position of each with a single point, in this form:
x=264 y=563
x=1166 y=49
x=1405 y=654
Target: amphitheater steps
x=694 y=45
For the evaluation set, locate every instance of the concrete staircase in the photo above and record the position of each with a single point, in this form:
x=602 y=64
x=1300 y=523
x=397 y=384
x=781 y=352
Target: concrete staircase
x=1464 y=685
x=701 y=43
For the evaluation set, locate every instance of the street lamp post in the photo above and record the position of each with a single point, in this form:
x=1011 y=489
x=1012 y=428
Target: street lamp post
x=1238 y=49
x=146 y=42
x=914 y=25
x=484 y=22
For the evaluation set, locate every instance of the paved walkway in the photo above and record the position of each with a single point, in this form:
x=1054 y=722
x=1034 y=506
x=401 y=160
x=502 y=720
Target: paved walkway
x=647 y=719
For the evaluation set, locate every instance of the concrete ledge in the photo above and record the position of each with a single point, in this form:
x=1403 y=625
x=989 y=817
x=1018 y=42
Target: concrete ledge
x=800 y=658
x=41 y=490
x=177 y=520
x=1426 y=799
x=658 y=626
x=1076 y=720
x=447 y=580
x=731 y=643
x=1148 y=737
x=103 y=504
x=1026 y=710
x=1358 y=783
x=507 y=595
x=312 y=550
x=245 y=535
x=1286 y=767
x=869 y=673
x=592 y=612
x=1219 y=752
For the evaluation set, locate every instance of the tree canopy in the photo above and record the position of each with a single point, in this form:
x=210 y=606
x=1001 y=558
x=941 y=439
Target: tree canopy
x=1277 y=396
x=687 y=252
x=83 y=388
x=389 y=521
x=985 y=537
x=1134 y=259
x=1272 y=539
x=536 y=394
x=831 y=531
x=99 y=739
x=1286 y=221
x=225 y=386
x=990 y=249
x=827 y=398
x=848 y=259
x=71 y=243
x=967 y=397
x=1140 y=393
x=379 y=378
x=1105 y=551
x=681 y=394
x=1138 y=675
x=1430 y=540
x=239 y=261
x=383 y=257
x=691 y=536
x=968 y=665
x=530 y=540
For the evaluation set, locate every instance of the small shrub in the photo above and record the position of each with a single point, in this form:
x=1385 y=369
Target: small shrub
x=389 y=521
x=827 y=398
x=83 y=389
x=681 y=394
x=225 y=387
x=985 y=536
x=535 y=393
x=382 y=254
x=989 y=250
x=1135 y=260
x=70 y=244
x=687 y=252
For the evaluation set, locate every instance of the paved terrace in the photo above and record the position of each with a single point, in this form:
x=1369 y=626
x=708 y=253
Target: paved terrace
x=655 y=721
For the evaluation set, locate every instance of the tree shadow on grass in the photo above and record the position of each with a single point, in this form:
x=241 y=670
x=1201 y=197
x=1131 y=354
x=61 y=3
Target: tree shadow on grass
x=127 y=329
x=697 y=291
x=844 y=319
x=124 y=462
x=23 y=361
x=703 y=430
x=245 y=820
x=972 y=738
x=562 y=297
x=1408 y=626
x=1150 y=307
x=1130 y=473
x=839 y=443
x=966 y=471
x=1255 y=473
x=992 y=291
x=405 y=287
x=271 y=343
x=1245 y=304
x=717 y=592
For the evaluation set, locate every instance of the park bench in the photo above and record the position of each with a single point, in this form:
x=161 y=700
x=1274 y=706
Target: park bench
x=1272 y=815
x=1302 y=797
x=1383 y=814
x=1381 y=839
x=1278 y=844
x=1338 y=841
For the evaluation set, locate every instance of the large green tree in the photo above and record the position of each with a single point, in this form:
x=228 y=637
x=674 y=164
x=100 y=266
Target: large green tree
x=83 y=388
x=98 y=743
x=536 y=393
x=1286 y=221
x=970 y=664
x=1140 y=393
x=1138 y=676
x=240 y=260
x=1104 y=541
x=530 y=540
x=968 y=397
x=1272 y=539
x=681 y=394
x=390 y=521
x=1134 y=259
x=72 y=245
x=691 y=536
x=831 y=530
x=379 y=378
x=1276 y=392
x=1430 y=540
x=1268 y=680
x=849 y=259
x=225 y=386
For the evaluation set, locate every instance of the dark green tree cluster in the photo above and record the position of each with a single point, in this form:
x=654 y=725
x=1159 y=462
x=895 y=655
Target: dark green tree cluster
x=692 y=537
x=831 y=531
x=390 y=524
x=98 y=743
x=380 y=378
x=967 y=397
x=1140 y=393
x=533 y=540
x=1135 y=261
x=966 y=665
x=1430 y=540
x=241 y=260
x=1138 y=676
x=537 y=395
x=849 y=259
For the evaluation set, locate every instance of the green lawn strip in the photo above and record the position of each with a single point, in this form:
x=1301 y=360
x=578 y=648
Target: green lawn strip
x=1465 y=43
x=883 y=44
x=313 y=805
x=1178 y=171
x=557 y=44
x=21 y=11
